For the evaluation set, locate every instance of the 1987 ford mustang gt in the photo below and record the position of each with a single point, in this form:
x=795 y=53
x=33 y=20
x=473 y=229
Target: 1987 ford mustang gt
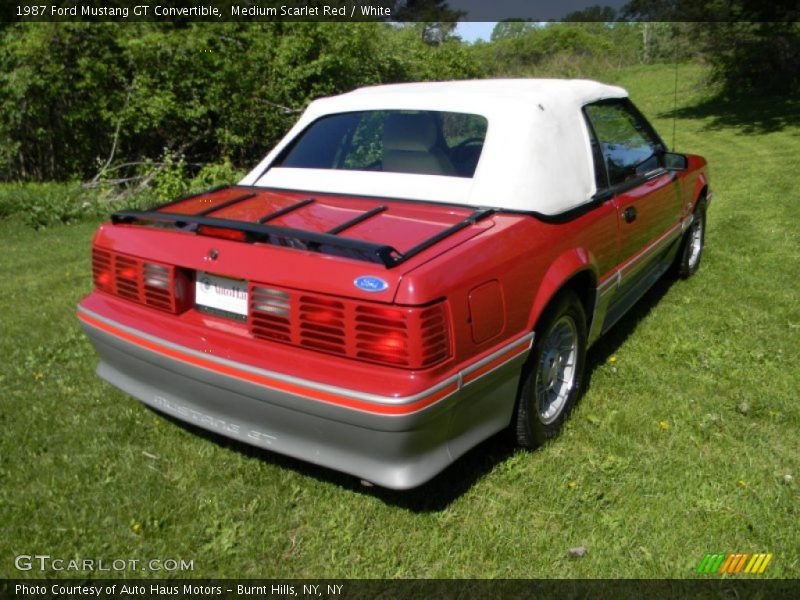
x=412 y=269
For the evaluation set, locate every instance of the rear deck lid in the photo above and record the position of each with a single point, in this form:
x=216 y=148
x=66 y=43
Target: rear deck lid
x=367 y=243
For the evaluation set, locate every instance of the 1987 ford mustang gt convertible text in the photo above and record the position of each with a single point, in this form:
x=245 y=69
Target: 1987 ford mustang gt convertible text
x=412 y=269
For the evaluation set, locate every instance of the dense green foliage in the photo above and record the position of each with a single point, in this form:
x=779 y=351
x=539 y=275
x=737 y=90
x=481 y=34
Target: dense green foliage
x=74 y=97
x=131 y=101
x=563 y=49
x=141 y=103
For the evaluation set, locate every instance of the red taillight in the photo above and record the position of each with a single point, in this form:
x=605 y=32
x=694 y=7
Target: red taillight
x=160 y=286
x=325 y=317
x=381 y=334
x=393 y=341
x=391 y=348
x=434 y=327
x=322 y=324
x=410 y=337
x=101 y=269
x=322 y=310
x=386 y=313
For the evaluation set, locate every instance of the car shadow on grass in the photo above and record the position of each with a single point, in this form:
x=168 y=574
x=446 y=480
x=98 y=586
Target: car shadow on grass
x=752 y=115
x=457 y=479
x=610 y=342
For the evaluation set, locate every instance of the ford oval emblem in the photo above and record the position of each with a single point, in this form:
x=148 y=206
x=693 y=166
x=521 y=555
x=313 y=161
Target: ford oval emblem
x=370 y=284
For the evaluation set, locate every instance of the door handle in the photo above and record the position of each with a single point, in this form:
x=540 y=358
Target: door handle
x=629 y=214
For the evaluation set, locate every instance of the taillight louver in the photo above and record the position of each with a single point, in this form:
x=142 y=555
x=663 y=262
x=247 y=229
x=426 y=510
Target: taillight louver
x=153 y=284
x=127 y=276
x=101 y=269
x=270 y=311
x=435 y=335
x=158 y=286
x=382 y=335
x=408 y=337
x=322 y=324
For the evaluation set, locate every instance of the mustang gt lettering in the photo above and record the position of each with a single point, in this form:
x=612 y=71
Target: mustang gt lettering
x=412 y=269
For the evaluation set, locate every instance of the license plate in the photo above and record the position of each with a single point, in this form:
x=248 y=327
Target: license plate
x=221 y=295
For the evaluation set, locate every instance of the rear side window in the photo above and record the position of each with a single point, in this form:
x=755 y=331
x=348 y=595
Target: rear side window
x=397 y=141
x=600 y=178
x=628 y=148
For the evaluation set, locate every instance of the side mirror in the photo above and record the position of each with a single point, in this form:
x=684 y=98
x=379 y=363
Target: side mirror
x=674 y=161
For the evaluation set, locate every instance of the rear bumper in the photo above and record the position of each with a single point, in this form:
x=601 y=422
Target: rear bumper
x=395 y=442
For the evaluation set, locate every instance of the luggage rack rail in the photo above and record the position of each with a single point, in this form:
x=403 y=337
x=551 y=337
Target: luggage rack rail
x=323 y=242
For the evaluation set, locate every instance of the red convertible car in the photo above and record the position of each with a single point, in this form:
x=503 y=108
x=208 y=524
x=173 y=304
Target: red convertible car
x=412 y=269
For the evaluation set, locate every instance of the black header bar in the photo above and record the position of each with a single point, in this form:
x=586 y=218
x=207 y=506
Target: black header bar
x=427 y=589
x=184 y=11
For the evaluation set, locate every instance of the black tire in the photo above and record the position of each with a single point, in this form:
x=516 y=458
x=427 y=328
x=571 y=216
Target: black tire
x=533 y=425
x=687 y=261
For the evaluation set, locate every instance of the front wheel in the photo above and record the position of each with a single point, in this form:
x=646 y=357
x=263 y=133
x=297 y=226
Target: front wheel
x=688 y=259
x=552 y=376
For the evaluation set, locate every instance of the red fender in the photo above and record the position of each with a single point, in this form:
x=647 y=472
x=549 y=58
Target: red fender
x=564 y=268
x=696 y=164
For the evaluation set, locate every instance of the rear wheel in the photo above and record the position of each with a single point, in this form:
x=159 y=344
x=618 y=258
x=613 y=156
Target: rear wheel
x=552 y=376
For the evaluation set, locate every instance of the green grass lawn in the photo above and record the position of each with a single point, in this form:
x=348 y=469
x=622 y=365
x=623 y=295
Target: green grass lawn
x=679 y=447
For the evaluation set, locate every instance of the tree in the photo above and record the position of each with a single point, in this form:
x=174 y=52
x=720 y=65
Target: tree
x=78 y=97
x=512 y=29
x=433 y=19
x=594 y=13
x=752 y=46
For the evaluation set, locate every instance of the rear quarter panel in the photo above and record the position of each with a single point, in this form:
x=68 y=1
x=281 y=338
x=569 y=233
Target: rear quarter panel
x=529 y=258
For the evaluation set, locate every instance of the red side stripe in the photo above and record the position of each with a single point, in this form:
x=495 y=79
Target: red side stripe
x=385 y=409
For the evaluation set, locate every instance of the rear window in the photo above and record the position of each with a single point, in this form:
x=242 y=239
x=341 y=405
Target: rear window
x=395 y=141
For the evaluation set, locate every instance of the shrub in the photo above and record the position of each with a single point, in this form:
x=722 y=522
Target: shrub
x=42 y=205
x=171 y=179
x=74 y=96
x=215 y=174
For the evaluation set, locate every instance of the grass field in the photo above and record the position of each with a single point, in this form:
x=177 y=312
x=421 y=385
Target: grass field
x=680 y=446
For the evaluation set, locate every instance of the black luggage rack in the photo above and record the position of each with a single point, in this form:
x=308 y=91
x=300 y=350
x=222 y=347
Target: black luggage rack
x=329 y=242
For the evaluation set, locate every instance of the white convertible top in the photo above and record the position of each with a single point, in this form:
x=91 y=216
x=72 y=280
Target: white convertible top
x=536 y=155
